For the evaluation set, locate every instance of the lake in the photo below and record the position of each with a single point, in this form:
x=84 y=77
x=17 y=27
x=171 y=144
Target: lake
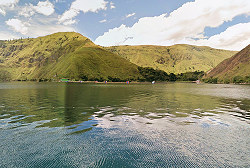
x=124 y=125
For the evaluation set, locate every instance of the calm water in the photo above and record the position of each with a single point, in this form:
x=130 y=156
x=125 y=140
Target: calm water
x=115 y=125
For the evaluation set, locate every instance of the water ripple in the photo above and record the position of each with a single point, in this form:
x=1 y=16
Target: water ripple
x=165 y=125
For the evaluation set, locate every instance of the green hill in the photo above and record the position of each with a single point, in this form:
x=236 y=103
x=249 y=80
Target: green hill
x=232 y=70
x=61 y=55
x=173 y=59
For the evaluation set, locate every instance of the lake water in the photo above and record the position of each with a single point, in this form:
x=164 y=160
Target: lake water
x=124 y=125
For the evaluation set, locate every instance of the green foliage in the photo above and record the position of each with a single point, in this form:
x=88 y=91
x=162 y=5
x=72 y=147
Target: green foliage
x=83 y=77
x=151 y=74
x=226 y=81
x=247 y=79
x=98 y=64
x=111 y=79
x=238 y=79
x=173 y=59
x=190 y=76
x=211 y=80
x=63 y=55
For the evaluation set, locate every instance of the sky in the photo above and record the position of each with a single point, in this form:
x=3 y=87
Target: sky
x=223 y=24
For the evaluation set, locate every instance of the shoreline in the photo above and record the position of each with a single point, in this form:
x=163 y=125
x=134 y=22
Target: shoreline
x=130 y=82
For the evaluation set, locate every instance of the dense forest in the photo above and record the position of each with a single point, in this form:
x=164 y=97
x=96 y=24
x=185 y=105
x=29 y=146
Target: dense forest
x=151 y=74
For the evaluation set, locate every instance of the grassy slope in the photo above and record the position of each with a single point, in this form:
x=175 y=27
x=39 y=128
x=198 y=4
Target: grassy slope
x=176 y=59
x=68 y=55
x=238 y=65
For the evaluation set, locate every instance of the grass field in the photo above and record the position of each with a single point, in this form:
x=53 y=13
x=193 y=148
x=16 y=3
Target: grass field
x=62 y=55
x=173 y=59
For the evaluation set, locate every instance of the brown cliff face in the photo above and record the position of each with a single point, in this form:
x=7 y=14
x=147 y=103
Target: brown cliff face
x=237 y=65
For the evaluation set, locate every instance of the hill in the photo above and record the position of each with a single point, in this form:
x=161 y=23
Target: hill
x=232 y=70
x=61 y=55
x=179 y=58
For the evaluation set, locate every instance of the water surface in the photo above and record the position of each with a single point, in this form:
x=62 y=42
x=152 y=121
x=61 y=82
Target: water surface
x=119 y=125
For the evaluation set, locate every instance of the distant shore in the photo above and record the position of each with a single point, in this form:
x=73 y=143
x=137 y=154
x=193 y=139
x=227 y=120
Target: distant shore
x=130 y=82
x=146 y=82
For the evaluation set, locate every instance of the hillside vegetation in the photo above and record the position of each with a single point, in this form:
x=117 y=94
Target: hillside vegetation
x=173 y=59
x=232 y=70
x=61 y=55
x=73 y=56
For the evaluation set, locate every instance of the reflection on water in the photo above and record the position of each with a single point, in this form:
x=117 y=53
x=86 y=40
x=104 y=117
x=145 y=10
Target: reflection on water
x=115 y=125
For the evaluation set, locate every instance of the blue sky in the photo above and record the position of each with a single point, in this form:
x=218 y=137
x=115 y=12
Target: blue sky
x=217 y=23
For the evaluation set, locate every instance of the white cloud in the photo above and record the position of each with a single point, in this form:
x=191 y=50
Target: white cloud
x=43 y=7
x=68 y=15
x=130 y=15
x=112 y=5
x=233 y=38
x=82 y=6
x=7 y=4
x=69 y=22
x=7 y=36
x=2 y=12
x=180 y=26
x=38 y=26
x=44 y=20
x=103 y=21
x=17 y=25
x=27 y=11
x=46 y=8
x=43 y=30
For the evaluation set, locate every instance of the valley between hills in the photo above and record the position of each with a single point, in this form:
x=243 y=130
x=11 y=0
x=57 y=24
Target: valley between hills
x=73 y=56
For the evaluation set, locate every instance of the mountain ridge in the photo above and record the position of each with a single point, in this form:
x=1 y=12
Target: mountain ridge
x=235 y=69
x=72 y=55
x=62 y=55
x=179 y=58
